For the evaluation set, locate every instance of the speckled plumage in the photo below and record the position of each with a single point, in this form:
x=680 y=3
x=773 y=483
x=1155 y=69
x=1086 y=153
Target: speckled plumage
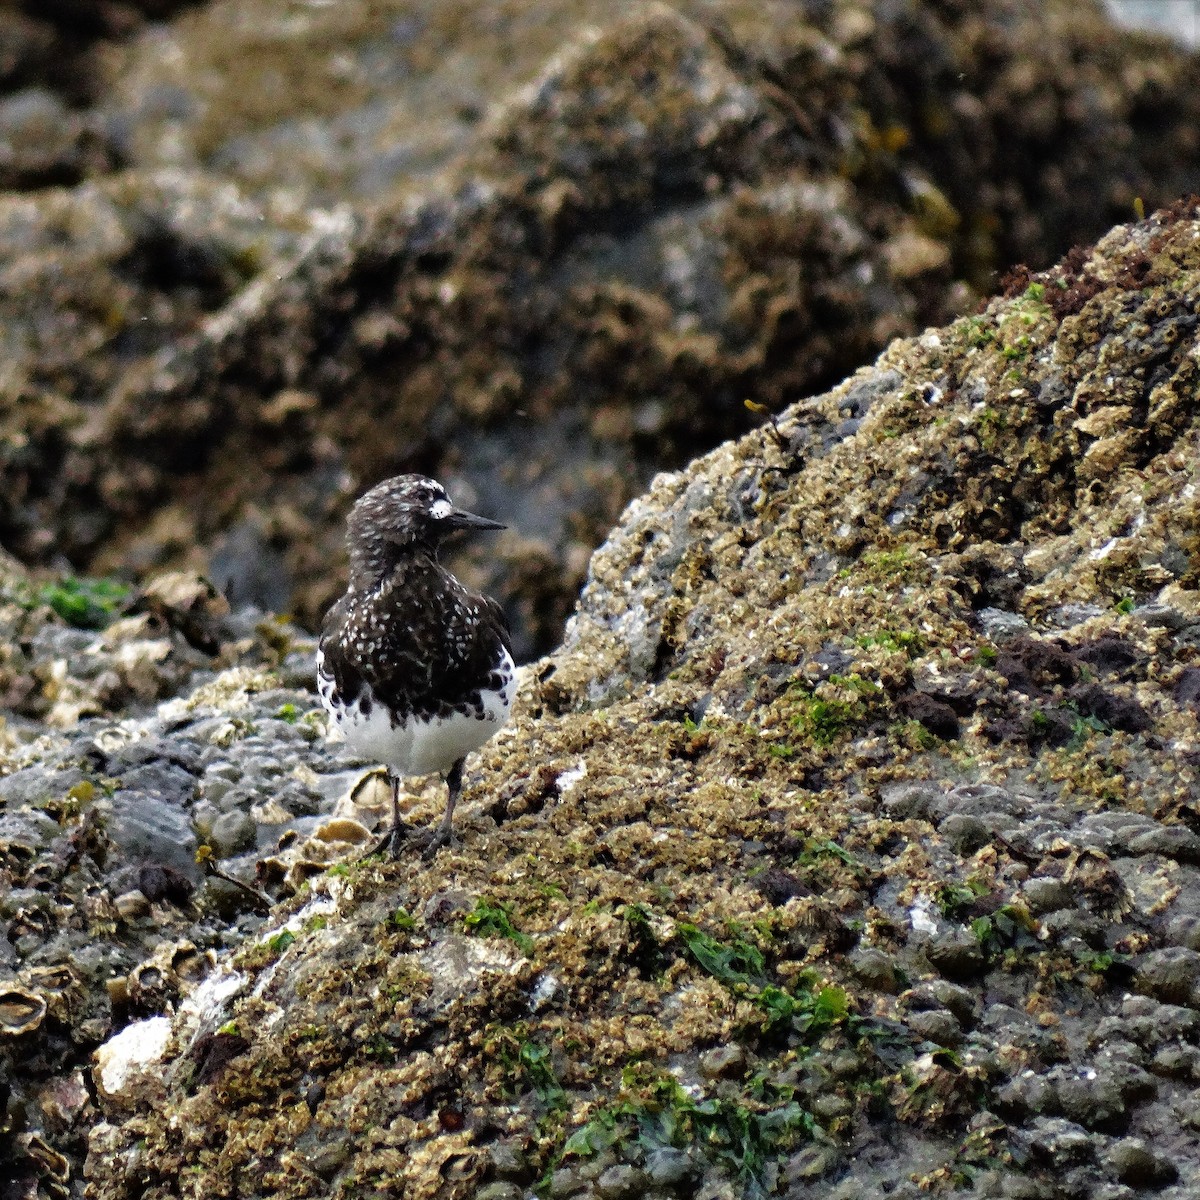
x=415 y=669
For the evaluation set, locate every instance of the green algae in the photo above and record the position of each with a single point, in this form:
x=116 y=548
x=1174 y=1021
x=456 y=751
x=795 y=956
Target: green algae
x=85 y=603
x=491 y=919
x=742 y=1134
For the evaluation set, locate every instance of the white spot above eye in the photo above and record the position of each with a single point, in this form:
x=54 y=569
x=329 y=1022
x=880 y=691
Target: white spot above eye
x=441 y=509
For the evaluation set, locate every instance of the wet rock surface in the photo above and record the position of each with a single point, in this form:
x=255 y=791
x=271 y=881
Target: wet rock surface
x=107 y=918
x=726 y=917
x=541 y=251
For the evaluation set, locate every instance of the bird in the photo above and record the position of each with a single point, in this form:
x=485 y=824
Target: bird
x=413 y=667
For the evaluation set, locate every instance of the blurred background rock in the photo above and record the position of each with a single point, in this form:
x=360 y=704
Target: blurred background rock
x=255 y=255
x=1178 y=18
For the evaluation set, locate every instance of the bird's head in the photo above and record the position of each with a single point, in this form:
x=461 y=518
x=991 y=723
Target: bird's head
x=410 y=514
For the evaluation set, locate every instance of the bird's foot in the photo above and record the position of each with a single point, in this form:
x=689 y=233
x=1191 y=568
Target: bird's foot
x=443 y=835
x=392 y=840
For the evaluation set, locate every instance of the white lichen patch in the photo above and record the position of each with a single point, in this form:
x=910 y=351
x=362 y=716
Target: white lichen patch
x=126 y=1057
x=458 y=963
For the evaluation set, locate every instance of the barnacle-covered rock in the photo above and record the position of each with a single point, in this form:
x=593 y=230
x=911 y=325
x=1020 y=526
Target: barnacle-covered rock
x=898 y=688
x=857 y=801
x=156 y=985
x=63 y=990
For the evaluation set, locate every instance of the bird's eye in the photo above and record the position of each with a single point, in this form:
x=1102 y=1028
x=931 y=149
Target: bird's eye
x=440 y=509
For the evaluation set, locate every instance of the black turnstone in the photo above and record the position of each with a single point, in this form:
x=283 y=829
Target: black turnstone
x=415 y=669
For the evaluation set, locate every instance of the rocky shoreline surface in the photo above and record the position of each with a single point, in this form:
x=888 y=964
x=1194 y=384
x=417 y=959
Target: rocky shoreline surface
x=848 y=846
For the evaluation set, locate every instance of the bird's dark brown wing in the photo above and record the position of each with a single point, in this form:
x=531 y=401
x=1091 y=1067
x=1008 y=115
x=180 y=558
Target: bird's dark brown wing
x=499 y=622
x=420 y=639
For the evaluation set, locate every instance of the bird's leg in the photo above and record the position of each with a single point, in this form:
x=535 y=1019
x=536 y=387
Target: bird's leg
x=399 y=828
x=444 y=832
x=393 y=837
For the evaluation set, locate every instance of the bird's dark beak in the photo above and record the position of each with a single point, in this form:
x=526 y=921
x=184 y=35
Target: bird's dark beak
x=458 y=519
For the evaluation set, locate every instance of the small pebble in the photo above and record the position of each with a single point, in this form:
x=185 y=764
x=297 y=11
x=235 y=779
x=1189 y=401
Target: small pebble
x=723 y=1062
x=233 y=832
x=132 y=905
x=621 y=1182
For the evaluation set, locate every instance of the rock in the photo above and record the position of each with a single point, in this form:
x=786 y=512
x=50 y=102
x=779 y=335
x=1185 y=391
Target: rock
x=723 y=1061
x=1046 y=894
x=621 y=1182
x=1172 y=975
x=507 y=1160
x=1184 y=930
x=565 y=1182
x=232 y=832
x=165 y=781
x=499 y=1190
x=1061 y=1142
x=1000 y=626
x=1090 y=1099
x=669 y=1168
x=46 y=144
x=936 y=1026
x=146 y=830
x=1066 y=927
x=830 y=1107
x=875 y=969
x=1176 y=1062
x=956 y=953
x=126 y=1065
x=911 y=800
x=1186 y=692
x=958 y=1000
x=1132 y=1161
x=964 y=832
x=1173 y=841
x=1027 y=1095
x=250 y=238
x=810 y=1163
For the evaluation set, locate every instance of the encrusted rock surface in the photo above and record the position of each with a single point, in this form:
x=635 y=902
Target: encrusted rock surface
x=541 y=250
x=847 y=848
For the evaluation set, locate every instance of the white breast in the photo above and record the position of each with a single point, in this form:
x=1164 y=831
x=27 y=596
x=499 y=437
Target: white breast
x=417 y=747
